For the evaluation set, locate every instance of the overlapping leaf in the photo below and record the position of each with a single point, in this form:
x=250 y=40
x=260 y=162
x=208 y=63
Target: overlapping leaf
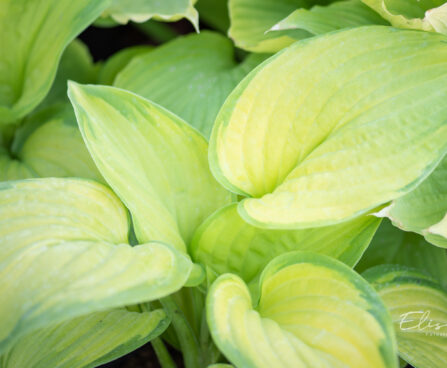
x=424 y=209
x=251 y=19
x=426 y=15
x=226 y=243
x=75 y=64
x=323 y=19
x=153 y=160
x=141 y=10
x=34 y=34
x=393 y=246
x=87 y=341
x=418 y=306
x=214 y=13
x=118 y=62
x=313 y=312
x=11 y=169
x=334 y=126
x=49 y=144
x=190 y=76
x=63 y=255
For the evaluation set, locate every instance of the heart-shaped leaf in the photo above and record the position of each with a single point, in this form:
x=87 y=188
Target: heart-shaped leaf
x=418 y=306
x=313 y=312
x=35 y=34
x=87 y=341
x=190 y=76
x=324 y=131
x=154 y=161
x=323 y=19
x=59 y=257
x=226 y=243
x=427 y=15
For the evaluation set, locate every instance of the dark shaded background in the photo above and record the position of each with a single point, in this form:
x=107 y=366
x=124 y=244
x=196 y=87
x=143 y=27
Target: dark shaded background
x=104 y=42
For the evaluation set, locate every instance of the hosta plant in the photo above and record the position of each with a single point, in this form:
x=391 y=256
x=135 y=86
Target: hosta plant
x=269 y=192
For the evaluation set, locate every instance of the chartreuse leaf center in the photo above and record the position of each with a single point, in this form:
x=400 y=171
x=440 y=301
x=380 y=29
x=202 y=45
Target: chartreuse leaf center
x=152 y=159
x=226 y=243
x=64 y=255
x=324 y=130
x=313 y=312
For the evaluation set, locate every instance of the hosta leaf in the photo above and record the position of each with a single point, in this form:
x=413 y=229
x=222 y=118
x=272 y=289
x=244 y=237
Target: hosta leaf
x=313 y=312
x=34 y=35
x=49 y=144
x=323 y=19
x=437 y=233
x=50 y=283
x=393 y=246
x=153 y=160
x=324 y=131
x=60 y=256
x=226 y=243
x=190 y=76
x=142 y=10
x=251 y=19
x=418 y=306
x=76 y=64
x=118 y=61
x=12 y=169
x=86 y=341
x=424 y=209
x=427 y=15
x=60 y=210
x=214 y=13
